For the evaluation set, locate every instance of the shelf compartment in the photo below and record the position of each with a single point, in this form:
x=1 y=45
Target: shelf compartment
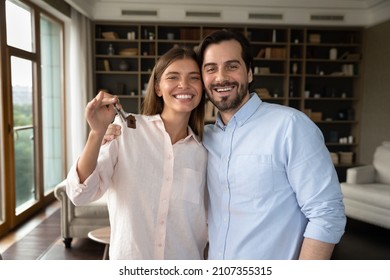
x=117 y=84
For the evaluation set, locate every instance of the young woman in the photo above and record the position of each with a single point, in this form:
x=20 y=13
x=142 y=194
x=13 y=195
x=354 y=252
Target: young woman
x=154 y=174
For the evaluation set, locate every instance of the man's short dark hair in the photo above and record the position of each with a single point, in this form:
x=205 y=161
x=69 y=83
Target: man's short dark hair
x=227 y=35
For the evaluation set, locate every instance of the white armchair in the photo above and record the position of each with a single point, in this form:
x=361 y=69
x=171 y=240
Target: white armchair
x=367 y=189
x=77 y=221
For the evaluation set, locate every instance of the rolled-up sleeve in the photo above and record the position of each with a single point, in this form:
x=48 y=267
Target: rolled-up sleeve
x=314 y=179
x=97 y=183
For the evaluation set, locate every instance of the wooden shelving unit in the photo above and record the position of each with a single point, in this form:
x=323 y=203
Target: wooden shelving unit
x=292 y=64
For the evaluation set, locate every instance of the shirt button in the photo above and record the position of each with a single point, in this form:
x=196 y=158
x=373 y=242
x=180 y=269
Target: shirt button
x=161 y=222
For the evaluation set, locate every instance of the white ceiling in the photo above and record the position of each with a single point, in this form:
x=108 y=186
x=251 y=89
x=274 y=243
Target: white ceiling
x=354 y=12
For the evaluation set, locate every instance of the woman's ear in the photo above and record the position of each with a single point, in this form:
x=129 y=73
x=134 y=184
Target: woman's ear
x=157 y=90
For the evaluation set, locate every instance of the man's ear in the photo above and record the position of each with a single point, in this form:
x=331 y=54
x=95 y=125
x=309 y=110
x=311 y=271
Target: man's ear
x=250 y=75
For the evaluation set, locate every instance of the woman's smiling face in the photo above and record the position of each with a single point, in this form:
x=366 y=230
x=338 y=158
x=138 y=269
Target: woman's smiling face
x=181 y=86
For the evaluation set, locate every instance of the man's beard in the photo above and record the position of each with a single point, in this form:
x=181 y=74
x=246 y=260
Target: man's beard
x=225 y=104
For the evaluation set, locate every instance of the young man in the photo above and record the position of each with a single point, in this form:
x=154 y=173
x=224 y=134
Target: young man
x=274 y=192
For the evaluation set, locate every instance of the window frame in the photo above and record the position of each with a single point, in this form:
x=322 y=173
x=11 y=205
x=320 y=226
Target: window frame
x=8 y=218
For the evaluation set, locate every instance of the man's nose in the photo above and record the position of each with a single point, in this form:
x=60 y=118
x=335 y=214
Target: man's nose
x=221 y=76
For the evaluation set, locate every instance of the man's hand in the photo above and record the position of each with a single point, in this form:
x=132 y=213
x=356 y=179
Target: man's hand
x=112 y=132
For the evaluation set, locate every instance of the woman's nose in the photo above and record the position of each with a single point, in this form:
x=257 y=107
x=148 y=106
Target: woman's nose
x=183 y=83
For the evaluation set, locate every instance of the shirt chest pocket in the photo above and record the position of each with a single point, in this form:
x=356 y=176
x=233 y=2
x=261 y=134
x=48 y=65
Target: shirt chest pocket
x=190 y=186
x=252 y=175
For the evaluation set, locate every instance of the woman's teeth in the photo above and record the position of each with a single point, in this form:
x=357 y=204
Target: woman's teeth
x=183 y=96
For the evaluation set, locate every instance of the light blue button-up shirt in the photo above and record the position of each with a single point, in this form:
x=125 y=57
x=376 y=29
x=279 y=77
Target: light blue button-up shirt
x=271 y=183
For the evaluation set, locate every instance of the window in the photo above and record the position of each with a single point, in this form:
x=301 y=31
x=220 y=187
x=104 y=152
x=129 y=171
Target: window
x=19 y=25
x=23 y=130
x=33 y=106
x=51 y=100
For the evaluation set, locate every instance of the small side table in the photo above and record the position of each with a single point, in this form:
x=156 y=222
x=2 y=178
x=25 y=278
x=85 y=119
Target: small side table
x=102 y=235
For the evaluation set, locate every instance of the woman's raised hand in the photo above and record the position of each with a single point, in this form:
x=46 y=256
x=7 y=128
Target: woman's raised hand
x=99 y=112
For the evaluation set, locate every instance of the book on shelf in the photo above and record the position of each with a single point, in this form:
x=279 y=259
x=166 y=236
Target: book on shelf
x=189 y=33
x=344 y=55
x=350 y=56
x=278 y=53
x=271 y=53
x=353 y=56
x=261 y=53
x=106 y=65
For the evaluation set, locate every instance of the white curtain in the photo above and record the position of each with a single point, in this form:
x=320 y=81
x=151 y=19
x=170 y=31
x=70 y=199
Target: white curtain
x=80 y=75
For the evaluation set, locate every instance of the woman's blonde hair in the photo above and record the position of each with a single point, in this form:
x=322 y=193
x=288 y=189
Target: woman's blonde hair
x=153 y=104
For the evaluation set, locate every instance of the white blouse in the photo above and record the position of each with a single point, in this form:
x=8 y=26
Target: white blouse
x=156 y=192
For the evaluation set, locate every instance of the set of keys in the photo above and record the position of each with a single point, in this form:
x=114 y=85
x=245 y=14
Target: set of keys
x=125 y=117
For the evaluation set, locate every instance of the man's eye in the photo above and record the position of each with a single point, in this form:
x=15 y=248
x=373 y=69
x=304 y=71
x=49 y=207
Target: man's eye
x=232 y=67
x=210 y=69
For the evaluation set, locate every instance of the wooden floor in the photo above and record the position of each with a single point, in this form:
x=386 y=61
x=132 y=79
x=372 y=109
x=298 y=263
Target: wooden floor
x=40 y=239
x=25 y=229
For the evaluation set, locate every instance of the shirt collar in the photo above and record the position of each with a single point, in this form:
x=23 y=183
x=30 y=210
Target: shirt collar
x=245 y=112
x=191 y=134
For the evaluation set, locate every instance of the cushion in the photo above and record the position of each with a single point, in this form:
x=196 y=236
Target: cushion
x=382 y=163
x=386 y=144
x=361 y=174
x=94 y=209
x=372 y=194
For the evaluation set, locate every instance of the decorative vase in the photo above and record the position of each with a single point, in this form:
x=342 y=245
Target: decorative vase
x=333 y=54
x=274 y=36
x=295 y=68
x=110 y=50
x=123 y=65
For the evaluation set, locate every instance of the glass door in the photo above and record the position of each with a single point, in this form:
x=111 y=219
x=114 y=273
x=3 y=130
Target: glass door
x=51 y=101
x=22 y=61
x=33 y=102
x=23 y=133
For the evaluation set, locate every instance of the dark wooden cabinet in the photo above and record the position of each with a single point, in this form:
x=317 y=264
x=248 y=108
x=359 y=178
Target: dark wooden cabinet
x=314 y=69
